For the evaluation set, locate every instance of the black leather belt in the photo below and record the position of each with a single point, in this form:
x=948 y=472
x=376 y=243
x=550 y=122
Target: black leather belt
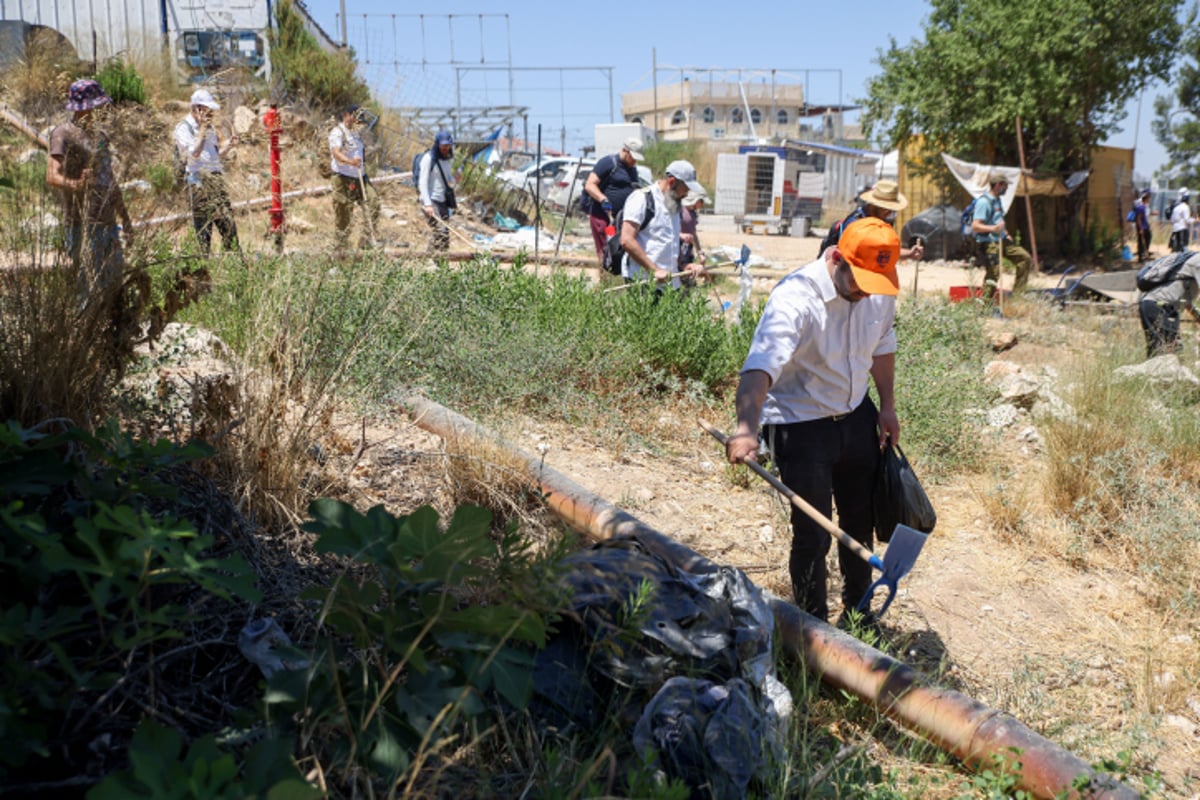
x=839 y=417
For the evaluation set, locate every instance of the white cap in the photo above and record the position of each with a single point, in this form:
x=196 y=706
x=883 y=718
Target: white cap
x=684 y=171
x=634 y=146
x=1183 y=192
x=203 y=97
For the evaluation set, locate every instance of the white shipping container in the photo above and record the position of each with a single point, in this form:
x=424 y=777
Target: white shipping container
x=203 y=36
x=750 y=187
x=610 y=138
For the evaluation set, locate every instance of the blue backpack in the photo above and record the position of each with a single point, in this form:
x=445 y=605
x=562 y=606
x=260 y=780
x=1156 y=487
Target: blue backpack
x=968 y=215
x=416 y=170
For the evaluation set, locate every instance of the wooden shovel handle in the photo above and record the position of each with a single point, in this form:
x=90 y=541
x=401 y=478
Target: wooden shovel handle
x=802 y=504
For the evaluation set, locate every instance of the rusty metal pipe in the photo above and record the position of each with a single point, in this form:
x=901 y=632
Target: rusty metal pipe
x=976 y=734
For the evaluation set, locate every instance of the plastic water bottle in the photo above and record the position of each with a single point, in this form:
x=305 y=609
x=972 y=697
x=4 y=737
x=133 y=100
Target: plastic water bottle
x=745 y=284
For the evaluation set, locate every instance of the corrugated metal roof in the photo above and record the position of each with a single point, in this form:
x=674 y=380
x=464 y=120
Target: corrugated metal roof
x=822 y=147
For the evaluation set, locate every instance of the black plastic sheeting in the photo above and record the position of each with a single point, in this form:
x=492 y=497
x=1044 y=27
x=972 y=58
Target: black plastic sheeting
x=689 y=656
x=940 y=227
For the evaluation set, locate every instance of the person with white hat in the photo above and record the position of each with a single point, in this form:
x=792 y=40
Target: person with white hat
x=650 y=227
x=613 y=180
x=81 y=168
x=1181 y=221
x=690 y=250
x=881 y=201
x=198 y=144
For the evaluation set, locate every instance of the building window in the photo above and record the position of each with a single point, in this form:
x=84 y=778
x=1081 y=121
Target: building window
x=637 y=120
x=679 y=117
x=756 y=116
x=709 y=115
x=781 y=116
x=736 y=116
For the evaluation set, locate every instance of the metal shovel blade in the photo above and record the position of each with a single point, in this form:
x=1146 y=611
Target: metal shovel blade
x=898 y=561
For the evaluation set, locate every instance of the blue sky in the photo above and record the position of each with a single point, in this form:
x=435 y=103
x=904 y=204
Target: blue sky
x=830 y=46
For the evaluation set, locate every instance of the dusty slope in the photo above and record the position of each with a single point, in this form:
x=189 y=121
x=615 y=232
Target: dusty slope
x=1074 y=652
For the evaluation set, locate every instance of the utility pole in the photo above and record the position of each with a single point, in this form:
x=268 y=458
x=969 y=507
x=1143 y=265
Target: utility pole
x=345 y=41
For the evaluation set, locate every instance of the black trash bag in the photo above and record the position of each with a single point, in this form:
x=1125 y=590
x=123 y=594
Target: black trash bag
x=899 y=497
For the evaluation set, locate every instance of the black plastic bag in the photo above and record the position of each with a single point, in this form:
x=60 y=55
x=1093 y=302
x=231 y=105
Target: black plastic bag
x=899 y=497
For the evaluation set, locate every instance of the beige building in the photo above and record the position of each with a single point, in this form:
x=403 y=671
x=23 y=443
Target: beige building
x=707 y=110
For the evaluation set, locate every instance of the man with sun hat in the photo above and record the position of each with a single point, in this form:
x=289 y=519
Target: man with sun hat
x=883 y=200
x=80 y=166
x=827 y=330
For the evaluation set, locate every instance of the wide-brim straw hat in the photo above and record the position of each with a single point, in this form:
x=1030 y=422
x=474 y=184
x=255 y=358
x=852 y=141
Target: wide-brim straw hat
x=885 y=194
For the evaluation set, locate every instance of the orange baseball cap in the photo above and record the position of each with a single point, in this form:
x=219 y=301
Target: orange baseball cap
x=872 y=248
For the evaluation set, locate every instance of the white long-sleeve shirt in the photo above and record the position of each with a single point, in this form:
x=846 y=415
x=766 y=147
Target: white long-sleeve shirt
x=434 y=179
x=187 y=133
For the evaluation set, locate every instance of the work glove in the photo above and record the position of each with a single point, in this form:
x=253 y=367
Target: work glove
x=607 y=206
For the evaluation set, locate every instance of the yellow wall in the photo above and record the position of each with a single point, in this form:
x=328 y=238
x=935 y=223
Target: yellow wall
x=1108 y=196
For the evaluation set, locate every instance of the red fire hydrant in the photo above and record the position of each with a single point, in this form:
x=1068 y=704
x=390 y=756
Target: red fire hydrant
x=272 y=123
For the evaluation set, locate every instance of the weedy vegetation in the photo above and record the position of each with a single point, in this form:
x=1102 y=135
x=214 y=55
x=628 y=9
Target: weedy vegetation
x=142 y=532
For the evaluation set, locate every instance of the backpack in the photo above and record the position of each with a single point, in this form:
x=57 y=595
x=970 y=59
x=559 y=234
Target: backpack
x=179 y=161
x=1161 y=271
x=968 y=215
x=416 y=170
x=614 y=253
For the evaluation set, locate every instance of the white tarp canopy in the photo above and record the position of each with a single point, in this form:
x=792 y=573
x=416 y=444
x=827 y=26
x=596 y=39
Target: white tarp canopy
x=974 y=178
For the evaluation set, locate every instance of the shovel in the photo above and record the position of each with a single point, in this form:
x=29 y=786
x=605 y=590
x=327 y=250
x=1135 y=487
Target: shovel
x=740 y=262
x=902 y=550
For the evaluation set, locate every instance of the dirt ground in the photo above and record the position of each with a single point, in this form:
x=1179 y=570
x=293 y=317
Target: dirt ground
x=1075 y=653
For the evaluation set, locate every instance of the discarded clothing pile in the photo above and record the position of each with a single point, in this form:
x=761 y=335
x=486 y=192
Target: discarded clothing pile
x=690 y=654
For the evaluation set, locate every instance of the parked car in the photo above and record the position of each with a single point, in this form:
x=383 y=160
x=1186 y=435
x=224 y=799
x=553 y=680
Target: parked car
x=529 y=177
x=562 y=183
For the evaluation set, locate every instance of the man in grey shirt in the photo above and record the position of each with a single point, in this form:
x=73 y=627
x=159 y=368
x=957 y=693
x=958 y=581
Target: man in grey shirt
x=1159 y=308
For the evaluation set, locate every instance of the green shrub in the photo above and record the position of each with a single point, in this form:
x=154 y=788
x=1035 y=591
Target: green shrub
x=121 y=82
x=484 y=337
x=161 y=768
x=939 y=376
x=161 y=177
x=326 y=80
x=405 y=659
x=89 y=575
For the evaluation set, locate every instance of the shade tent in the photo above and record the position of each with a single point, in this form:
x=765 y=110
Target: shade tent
x=974 y=178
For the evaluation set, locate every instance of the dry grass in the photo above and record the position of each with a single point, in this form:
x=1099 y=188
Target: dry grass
x=37 y=84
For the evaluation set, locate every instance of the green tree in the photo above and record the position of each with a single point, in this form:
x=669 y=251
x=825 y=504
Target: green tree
x=304 y=70
x=1176 y=123
x=1066 y=68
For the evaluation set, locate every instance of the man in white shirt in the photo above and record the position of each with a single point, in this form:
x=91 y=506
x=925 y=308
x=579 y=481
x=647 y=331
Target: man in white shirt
x=351 y=186
x=199 y=144
x=650 y=237
x=435 y=188
x=1181 y=220
x=826 y=330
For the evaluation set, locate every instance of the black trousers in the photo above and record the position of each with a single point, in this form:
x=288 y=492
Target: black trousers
x=1179 y=240
x=1160 y=323
x=825 y=461
x=1143 y=239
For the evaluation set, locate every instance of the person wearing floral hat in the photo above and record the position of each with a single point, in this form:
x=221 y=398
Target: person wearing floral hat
x=199 y=145
x=81 y=168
